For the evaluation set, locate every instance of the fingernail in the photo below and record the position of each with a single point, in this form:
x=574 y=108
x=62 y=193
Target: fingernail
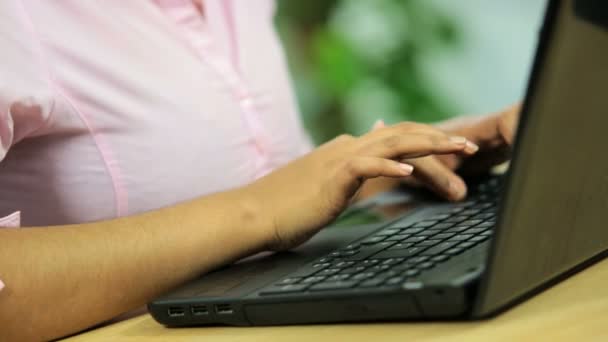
x=458 y=189
x=406 y=168
x=471 y=147
x=378 y=124
x=458 y=140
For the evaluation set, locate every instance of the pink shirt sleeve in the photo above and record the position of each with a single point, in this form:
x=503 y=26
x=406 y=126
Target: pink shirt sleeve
x=25 y=95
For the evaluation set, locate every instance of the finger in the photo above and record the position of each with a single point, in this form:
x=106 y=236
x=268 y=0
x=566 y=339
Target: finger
x=437 y=177
x=483 y=161
x=380 y=131
x=408 y=127
x=371 y=167
x=507 y=123
x=416 y=145
x=359 y=169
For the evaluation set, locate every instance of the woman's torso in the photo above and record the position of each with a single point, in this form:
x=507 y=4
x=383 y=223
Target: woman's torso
x=146 y=104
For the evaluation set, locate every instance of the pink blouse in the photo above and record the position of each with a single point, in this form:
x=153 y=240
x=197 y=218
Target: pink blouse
x=112 y=108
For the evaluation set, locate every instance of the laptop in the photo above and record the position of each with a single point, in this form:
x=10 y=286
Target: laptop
x=516 y=234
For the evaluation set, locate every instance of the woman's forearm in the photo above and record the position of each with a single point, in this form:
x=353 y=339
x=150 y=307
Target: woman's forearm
x=64 y=279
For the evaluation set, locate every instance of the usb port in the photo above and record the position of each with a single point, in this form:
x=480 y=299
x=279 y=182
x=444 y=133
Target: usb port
x=223 y=309
x=199 y=310
x=176 y=311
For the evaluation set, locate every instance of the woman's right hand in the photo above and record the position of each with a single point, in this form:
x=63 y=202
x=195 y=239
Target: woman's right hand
x=310 y=192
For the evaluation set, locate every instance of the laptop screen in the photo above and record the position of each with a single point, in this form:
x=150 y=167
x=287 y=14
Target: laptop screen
x=554 y=216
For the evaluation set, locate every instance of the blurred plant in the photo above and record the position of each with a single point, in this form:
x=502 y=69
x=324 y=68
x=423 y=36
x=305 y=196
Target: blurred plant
x=353 y=61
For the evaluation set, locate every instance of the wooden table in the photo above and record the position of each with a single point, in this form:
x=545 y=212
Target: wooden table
x=573 y=310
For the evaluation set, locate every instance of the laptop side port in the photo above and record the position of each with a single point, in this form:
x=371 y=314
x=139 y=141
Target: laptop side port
x=199 y=310
x=176 y=311
x=223 y=309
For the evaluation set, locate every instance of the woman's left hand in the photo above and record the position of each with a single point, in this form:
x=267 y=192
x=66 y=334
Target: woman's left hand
x=493 y=134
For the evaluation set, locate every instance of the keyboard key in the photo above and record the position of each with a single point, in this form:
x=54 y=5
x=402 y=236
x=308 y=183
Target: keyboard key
x=369 y=262
x=411 y=230
x=386 y=274
x=310 y=269
x=313 y=279
x=428 y=243
x=333 y=285
x=411 y=272
x=468 y=204
x=391 y=261
x=403 y=267
x=338 y=277
x=379 y=268
x=439 y=217
x=424 y=224
x=454 y=251
x=443 y=225
x=429 y=232
x=456 y=210
x=362 y=276
x=400 y=253
x=418 y=259
x=426 y=265
x=398 y=237
x=394 y=281
x=351 y=270
x=371 y=282
x=328 y=271
x=443 y=236
x=487 y=224
x=461 y=237
x=286 y=281
x=485 y=205
x=353 y=246
x=472 y=222
x=467 y=244
x=401 y=245
x=440 y=258
x=291 y=288
x=458 y=229
x=348 y=252
x=372 y=240
x=479 y=238
x=370 y=250
x=440 y=248
x=388 y=232
x=344 y=264
x=455 y=219
x=414 y=239
x=470 y=212
x=487 y=233
x=476 y=230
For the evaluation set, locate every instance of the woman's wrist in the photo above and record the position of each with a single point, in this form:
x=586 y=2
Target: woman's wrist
x=257 y=216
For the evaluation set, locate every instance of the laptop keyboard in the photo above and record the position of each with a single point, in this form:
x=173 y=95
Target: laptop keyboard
x=399 y=251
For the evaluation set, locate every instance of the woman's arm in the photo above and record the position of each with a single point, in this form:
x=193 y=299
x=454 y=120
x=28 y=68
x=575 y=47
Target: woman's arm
x=60 y=280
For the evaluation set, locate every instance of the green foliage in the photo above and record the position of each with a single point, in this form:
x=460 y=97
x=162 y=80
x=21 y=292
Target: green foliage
x=354 y=61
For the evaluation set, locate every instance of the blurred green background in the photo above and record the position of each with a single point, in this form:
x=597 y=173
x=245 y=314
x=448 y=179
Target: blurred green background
x=356 y=61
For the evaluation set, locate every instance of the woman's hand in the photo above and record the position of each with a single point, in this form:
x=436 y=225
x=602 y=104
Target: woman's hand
x=310 y=192
x=492 y=133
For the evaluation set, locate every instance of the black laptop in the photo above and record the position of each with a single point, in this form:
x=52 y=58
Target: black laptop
x=515 y=235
